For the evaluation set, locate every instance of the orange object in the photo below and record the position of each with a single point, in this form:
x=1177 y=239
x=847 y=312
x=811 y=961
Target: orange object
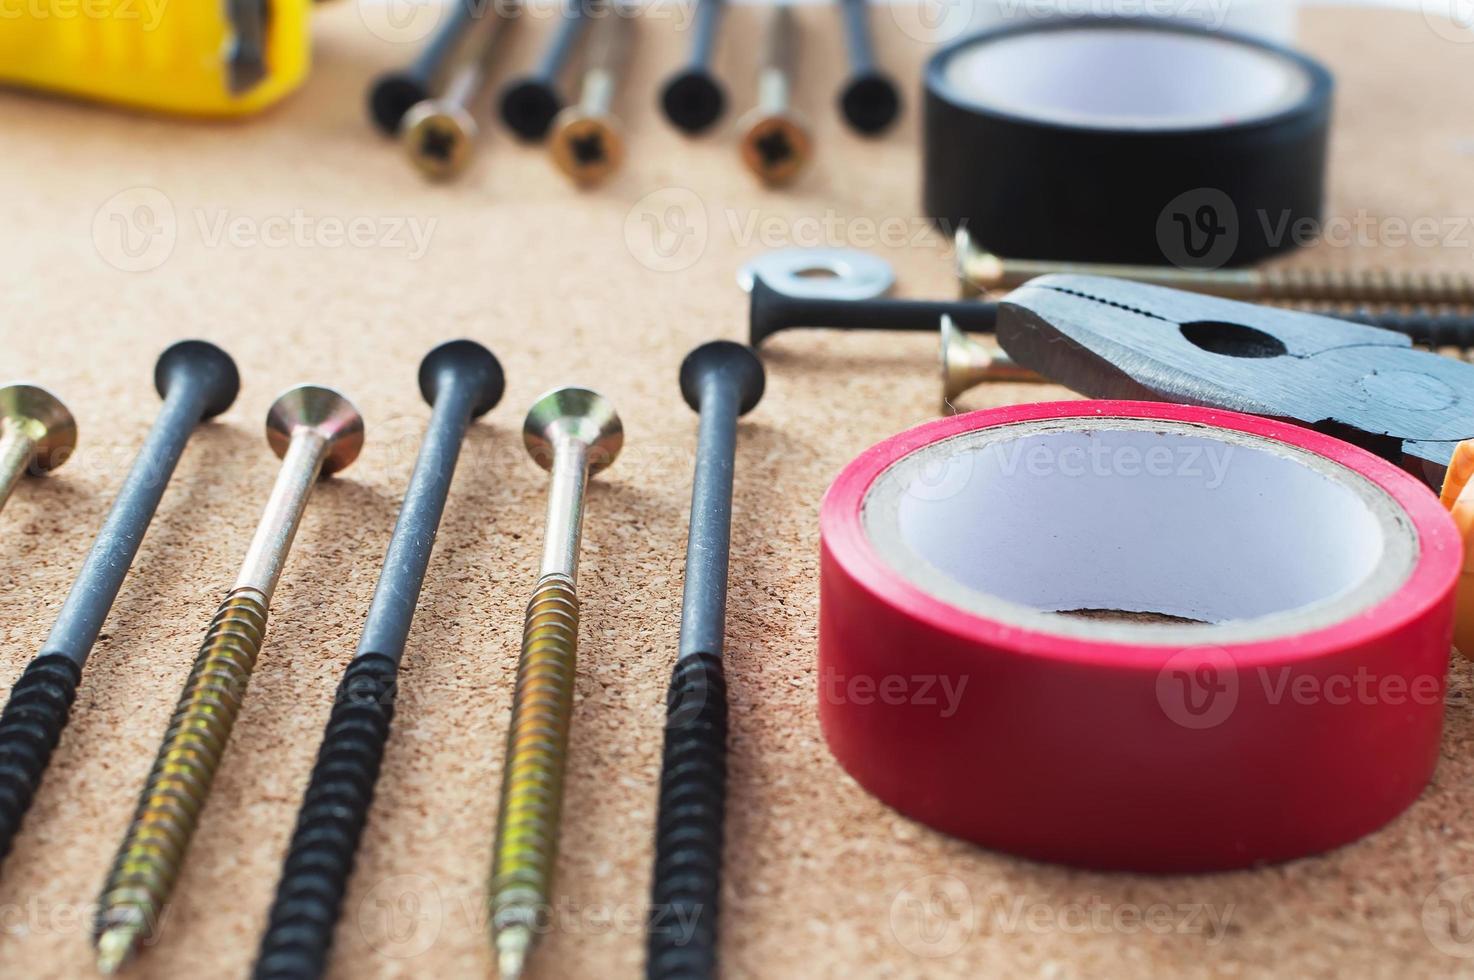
x=1458 y=497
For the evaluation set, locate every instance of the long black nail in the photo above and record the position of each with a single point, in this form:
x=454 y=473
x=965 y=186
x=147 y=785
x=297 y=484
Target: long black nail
x=462 y=381
x=397 y=92
x=530 y=103
x=721 y=381
x=197 y=380
x=771 y=311
x=692 y=98
x=869 y=99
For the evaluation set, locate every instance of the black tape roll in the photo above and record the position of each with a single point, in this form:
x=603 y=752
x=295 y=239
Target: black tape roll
x=1125 y=140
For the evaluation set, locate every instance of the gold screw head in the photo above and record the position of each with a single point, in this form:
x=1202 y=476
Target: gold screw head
x=45 y=421
x=328 y=412
x=775 y=147
x=573 y=413
x=586 y=148
x=439 y=138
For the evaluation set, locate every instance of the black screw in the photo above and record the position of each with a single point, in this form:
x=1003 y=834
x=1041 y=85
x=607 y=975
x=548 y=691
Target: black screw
x=397 y=92
x=197 y=380
x=869 y=99
x=462 y=381
x=530 y=103
x=692 y=98
x=771 y=311
x=721 y=381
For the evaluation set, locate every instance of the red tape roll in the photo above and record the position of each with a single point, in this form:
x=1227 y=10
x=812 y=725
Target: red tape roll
x=977 y=673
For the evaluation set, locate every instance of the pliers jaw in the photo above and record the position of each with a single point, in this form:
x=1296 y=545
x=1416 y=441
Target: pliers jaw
x=1110 y=338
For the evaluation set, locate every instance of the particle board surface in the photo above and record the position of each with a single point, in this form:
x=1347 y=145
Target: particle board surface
x=305 y=245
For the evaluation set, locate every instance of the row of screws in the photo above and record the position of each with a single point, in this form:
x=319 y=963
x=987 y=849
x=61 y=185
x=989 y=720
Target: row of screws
x=439 y=132
x=694 y=100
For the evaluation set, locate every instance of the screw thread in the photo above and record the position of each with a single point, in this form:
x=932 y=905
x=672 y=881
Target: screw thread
x=686 y=885
x=537 y=753
x=1429 y=329
x=1368 y=286
x=30 y=726
x=149 y=860
x=335 y=807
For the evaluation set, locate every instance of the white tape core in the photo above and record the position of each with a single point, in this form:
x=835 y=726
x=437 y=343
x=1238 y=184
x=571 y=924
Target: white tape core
x=1250 y=538
x=1114 y=78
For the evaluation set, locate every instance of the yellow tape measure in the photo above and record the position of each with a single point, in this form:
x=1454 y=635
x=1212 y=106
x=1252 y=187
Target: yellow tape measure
x=191 y=57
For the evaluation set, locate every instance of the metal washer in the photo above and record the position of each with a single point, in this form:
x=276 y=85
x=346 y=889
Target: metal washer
x=821 y=273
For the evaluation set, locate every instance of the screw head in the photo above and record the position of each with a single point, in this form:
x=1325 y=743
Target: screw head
x=394 y=94
x=775 y=148
x=693 y=100
x=203 y=363
x=529 y=106
x=586 y=148
x=328 y=412
x=45 y=420
x=573 y=413
x=463 y=361
x=737 y=364
x=439 y=138
x=870 y=102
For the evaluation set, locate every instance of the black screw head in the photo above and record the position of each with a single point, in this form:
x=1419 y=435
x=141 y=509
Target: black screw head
x=467 y=361
x=529 y=106
x=693 y=100
x=392 y=96
x=199 y=361
x=870 y=102
x=738 y=362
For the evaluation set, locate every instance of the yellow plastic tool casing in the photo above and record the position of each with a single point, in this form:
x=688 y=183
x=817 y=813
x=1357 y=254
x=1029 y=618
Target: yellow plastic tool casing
x=1458 y=497
x=163 y=55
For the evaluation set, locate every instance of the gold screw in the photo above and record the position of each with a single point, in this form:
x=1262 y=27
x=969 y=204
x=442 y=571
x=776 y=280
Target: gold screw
x=440 y=134
x=36 y=432
x=574 y=433
x=775 y=140
x=586 y=144
x=315 y=431
x=982 y=270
